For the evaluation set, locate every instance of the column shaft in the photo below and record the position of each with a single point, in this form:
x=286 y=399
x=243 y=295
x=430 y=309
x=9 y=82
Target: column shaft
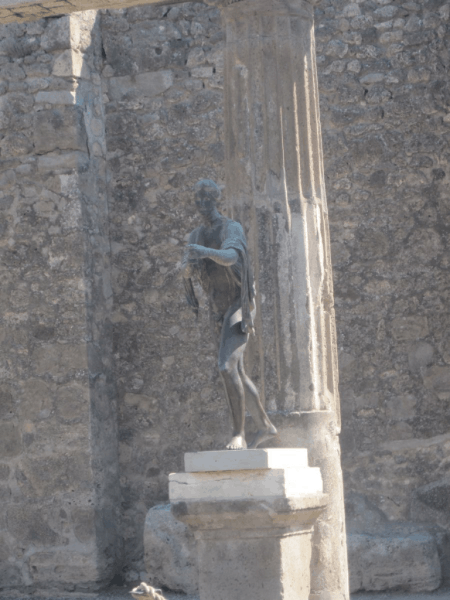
x=275 y=188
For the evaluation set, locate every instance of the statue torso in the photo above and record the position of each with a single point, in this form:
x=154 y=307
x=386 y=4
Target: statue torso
x=217 y=281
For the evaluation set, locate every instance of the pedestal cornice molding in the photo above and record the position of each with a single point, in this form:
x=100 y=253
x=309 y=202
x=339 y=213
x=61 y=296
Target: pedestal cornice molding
x=279 y=513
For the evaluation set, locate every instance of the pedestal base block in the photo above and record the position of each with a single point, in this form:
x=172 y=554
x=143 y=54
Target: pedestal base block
x=255 y=565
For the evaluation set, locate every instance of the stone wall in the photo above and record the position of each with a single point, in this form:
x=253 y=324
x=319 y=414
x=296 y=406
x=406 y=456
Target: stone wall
x=13 y=11
x=158 y=92
x=385 y=119
x=58 y=448
x=163 y=101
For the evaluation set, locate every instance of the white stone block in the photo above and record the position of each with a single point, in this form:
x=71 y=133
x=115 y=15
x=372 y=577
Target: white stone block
x=71 y=63
x=55 y=97
x=146 y=85
x=255 y=484
x=238 y=460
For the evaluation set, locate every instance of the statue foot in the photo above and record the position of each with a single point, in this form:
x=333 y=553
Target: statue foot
x=263 y=435
x=237 y=443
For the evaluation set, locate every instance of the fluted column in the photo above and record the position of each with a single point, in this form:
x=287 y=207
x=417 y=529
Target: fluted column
x=275 y=188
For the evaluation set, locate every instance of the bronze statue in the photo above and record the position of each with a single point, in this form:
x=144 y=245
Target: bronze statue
x=217 y=255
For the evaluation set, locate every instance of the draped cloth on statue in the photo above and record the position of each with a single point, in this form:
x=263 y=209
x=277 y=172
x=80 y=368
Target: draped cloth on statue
x=234 y=281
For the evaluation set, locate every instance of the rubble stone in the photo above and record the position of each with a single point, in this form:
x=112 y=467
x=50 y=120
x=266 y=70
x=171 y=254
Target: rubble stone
x=170 y=551
x=407 y=563
x=387 y=555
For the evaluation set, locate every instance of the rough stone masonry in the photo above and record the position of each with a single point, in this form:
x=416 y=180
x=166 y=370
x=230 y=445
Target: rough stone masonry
x=58 y=431
x=154 y=76
x=13 y=11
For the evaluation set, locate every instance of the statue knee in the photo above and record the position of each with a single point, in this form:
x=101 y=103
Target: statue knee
x=226 y=369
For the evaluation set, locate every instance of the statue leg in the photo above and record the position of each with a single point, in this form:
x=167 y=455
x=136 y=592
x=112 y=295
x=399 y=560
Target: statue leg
x=232 y=346
x=266 y=429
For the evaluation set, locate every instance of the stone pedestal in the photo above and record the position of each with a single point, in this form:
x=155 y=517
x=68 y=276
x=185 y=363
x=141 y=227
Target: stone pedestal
x=253 y=522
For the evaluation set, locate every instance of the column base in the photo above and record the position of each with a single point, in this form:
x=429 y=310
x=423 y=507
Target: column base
x=254 y=564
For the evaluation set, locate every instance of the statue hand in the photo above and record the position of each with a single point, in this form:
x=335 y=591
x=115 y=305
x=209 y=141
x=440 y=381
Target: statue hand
x=196 y=251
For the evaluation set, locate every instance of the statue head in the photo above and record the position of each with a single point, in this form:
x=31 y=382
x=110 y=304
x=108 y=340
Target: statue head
x=207 y=193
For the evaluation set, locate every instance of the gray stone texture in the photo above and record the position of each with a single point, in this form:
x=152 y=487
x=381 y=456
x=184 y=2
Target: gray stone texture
x=12 y=11
x=58 y=465
x=386 y=184
x=170 y=553
x=392 y=555
x=383 y=80
x=406 y=562
x=159 y=145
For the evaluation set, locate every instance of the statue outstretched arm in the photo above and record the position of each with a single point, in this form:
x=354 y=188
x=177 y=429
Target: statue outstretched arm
x=226 y=258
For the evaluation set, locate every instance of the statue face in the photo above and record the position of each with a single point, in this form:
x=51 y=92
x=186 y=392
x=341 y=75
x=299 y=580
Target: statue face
x=205 y=203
